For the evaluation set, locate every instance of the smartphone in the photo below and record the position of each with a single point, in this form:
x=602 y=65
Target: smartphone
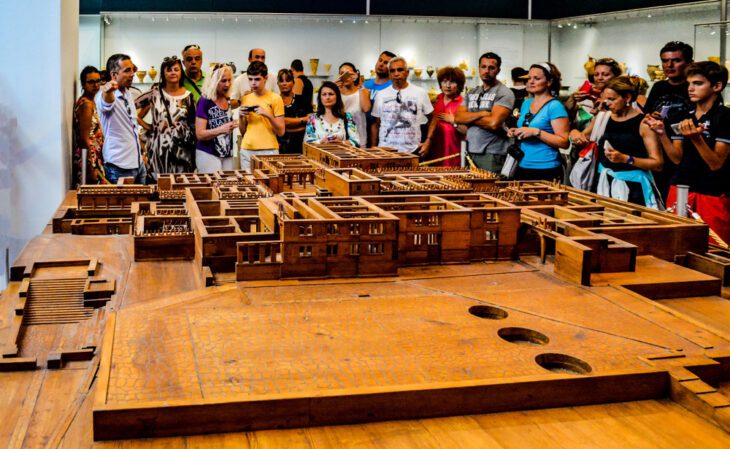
x=343 y=77
x=664 y=112
x=586 y=87
x=249 y=108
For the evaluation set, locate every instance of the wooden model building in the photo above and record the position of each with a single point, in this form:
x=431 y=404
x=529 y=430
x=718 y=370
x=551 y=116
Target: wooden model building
x=333 y=295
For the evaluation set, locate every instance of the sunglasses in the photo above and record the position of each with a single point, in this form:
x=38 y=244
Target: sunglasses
x=528 y=119
x=225 y=64
x=398 y=69
x=172 y=58
x=188 y=47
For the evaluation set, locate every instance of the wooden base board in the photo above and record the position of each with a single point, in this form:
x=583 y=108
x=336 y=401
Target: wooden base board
x=279 y=365
x=163 y=419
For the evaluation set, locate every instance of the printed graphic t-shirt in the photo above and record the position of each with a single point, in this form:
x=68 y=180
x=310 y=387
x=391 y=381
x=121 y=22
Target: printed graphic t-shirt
x=401 y=113
x=221 y=145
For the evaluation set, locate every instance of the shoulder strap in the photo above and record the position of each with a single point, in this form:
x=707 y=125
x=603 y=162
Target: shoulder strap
x=167 y=109
x=599 y=126
x=543 y=105
x=192 y=83
x=347 y=133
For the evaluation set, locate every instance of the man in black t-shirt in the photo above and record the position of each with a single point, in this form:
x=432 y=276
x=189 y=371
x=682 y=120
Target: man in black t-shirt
x=700 y=145
x=668 y=99
x=303 y=87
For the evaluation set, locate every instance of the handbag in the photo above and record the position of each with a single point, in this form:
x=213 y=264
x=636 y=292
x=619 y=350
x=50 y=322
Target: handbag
x=184 y=145
x=514 y=151
x=583 y=174
x=514 y=156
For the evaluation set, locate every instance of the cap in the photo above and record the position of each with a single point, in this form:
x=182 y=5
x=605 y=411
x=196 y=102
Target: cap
x=518 y=73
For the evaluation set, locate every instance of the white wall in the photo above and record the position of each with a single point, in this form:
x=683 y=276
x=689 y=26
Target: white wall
x=284 y=39
x=635 y=42
x=90 y=42
x=35 y=115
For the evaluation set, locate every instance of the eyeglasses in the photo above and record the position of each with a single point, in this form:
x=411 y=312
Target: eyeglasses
x=188 y=47
x=398 y=69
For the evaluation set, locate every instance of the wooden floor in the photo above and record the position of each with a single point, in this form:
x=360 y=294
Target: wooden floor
x=607 y=326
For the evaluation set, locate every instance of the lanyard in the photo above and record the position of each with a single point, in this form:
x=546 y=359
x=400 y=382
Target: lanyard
x=134 y=128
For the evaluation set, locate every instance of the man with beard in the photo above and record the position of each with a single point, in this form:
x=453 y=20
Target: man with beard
x=485 y=110
x=380 y=82
x=121 y=151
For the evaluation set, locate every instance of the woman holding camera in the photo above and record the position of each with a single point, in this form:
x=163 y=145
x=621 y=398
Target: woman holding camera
x=543 y=126
x=331 y=123
x=214 y=124
x=355 y=99
x=628 y=150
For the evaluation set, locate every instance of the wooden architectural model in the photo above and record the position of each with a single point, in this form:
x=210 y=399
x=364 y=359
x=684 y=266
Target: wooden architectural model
x=346 y=288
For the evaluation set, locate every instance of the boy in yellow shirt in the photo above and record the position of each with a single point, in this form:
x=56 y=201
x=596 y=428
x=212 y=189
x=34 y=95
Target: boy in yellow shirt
x=261 y=117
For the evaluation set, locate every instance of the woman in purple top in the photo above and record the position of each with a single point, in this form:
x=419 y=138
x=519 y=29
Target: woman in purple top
x=214 y=124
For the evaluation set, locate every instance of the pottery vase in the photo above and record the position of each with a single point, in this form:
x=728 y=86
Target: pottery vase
x=153 y=73
x=314 y=65
x=140 y=75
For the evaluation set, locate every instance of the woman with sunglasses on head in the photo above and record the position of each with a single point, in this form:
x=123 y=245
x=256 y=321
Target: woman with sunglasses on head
x=628 y=149
x=355 y=99
x=214 y=123
x=444 y=135
x=171 y=135
x=295 y=114
x=587 y=98
x=331 y=123
x=543 y=126
x=87 y=131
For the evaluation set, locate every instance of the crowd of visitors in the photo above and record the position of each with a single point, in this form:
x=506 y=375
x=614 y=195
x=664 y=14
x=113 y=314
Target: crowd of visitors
x=643 y=146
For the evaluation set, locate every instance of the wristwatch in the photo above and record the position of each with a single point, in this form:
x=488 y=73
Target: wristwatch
x=630 y=160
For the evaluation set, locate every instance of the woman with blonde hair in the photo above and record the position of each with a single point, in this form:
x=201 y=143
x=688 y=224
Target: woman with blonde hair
x=628 y=150
x=214 y=122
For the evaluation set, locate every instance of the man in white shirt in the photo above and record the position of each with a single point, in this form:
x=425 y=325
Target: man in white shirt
x=399 y=111
x=118 y=116
x=241 y=86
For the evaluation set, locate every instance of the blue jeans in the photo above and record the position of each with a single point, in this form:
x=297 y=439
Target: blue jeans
x=113 y=173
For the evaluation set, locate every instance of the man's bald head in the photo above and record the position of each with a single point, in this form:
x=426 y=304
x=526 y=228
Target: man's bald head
x=257 y=54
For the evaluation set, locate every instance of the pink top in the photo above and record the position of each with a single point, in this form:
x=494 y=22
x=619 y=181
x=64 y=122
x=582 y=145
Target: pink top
x=446 y=139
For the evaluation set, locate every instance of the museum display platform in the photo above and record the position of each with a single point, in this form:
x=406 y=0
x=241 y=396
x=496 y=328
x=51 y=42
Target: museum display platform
x=242 y=310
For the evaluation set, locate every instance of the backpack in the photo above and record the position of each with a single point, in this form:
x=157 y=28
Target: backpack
x=583 y=174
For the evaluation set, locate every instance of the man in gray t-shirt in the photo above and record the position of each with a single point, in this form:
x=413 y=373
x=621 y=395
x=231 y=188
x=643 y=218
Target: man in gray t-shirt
x=484 y=111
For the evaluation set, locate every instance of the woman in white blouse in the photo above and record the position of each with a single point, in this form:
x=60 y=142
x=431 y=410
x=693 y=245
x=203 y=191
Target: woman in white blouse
x=331 y=123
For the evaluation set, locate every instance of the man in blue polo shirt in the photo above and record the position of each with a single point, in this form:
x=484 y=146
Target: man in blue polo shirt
x=118 y=117
x=379 y=82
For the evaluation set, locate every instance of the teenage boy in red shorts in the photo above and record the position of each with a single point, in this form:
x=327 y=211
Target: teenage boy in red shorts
x=700 y=145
